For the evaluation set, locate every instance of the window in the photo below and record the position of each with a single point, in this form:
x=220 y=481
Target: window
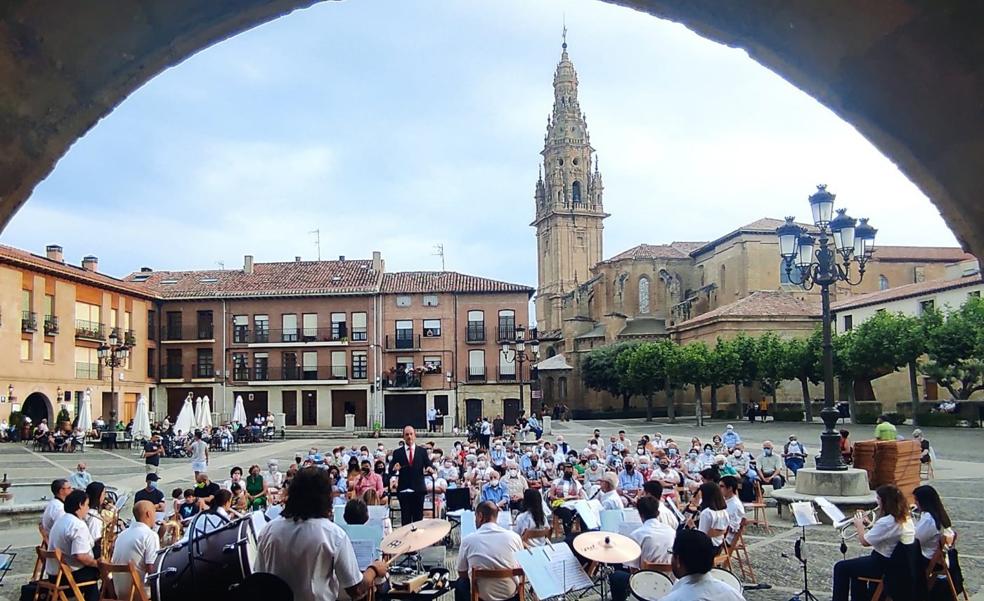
x=882 y=282
x=173 y=327
x=430 y=300
x=310 y=359
x=240 y=370
x=261 y=363
x=974 y=294
x=261 y=328
x=339 y=329
x=360 y=365
x=359 y=330
x=128 y=320
x=49 y=351
x=507 y=368
x=240 y=328
x=204 y=368
x=507 y=324
x=289 y=362
x=289 y=322
x=476 y=326
x=404 y=333
x=152 y=325
x=49 y=305
x=848 y=323
x=26 y=301
x=338 y=369
x=476 y=365
x=926 y=306
x=403 y=300
x=643 y=295
x=432 y=328
x=723 y=279
x=576 y=192
x=25 y=350
x=151 y=362
x=561 y=389
x=205 y=325
x=432 y=364
x=113 y=319
x=310 y=323
x=86 y=363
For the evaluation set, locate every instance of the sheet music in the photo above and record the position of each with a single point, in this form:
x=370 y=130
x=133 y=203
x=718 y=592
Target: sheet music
x=803 y=513
x=833 y=512
x=552 y=570
x=366 y=551
x=590 y=513
x=504 y=519
x=378 y=512
x=467 y=523
x=627 y=528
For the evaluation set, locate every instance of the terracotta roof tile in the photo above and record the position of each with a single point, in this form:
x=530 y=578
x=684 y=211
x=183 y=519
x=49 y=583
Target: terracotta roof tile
x=947 y=254
x=905 y=291
x=291 y=278
x=27 y=260
x=652 y=251
x=416 y=282
x=761 y=303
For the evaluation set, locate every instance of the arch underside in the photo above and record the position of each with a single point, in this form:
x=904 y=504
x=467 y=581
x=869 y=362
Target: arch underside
x=908 y=75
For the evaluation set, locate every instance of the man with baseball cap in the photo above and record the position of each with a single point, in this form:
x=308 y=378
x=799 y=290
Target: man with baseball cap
x=151 y=493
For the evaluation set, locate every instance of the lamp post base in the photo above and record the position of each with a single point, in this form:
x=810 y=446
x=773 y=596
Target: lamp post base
x=830 y=458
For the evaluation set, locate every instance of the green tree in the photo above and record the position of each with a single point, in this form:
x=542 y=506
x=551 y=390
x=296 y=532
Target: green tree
x=802 y=361
x=723 y=365
x=693 y=364
x=769 y=360
x=955 y=346
x=642 y=370
x=747 y=371
x=599 y=371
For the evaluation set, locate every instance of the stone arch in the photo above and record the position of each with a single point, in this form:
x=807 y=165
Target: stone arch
x=37 y=406
x=884 y=76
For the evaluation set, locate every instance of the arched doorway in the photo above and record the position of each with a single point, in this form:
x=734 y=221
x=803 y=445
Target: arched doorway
x=37 y=407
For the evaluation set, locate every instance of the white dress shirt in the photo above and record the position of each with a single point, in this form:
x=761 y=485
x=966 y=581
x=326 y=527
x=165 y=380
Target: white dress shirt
x=928 y=535
x=52 y=511
x=611 y=500
x=711 y=519
x=138 y=544
x=71 y=536
x=656 y=540
x=886 y=533
x=524 y=522
x=491 y=547
x=702 y=587
x=94 y=523
x=736 y=513
x=314 y=557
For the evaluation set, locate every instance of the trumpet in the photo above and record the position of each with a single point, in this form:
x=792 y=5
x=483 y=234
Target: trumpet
x=846 y=528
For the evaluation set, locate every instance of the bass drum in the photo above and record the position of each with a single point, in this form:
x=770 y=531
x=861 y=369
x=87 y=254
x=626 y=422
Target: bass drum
x=726 y=577
x=216 y=555
x=648 y=585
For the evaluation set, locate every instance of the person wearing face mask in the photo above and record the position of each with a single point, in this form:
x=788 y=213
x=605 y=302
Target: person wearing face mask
x=658 y=441
x=608 y=493
x=667 y=477
x=565 y=488
x=594 y=471
x=498 y=457
x=707 y=456
x=691 y=466
x=730 y=438
x=495 y=492
x=630 y=482
x=150 y=493
x=435 y=487
x=768 y=466
x=645 y=467
x=449 y=472
x=534 y=474
x=515 y=485
x=367 y=480
x=673 y=454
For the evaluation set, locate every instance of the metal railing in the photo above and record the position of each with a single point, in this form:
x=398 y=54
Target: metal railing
x=402 y=341
x=29 y=321
x=401 y=381
x=50 y=325
x=300 y=335
x=130 y=337
x=476 y=374
x=91 y=330
x=476 y=332
x=204 y=370
x=507 y=332
x=87 y=371
x=507 y=377
x=172 y=371
x=289 y=373
x=202 y=331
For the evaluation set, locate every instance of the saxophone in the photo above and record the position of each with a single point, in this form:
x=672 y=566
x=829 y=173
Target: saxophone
x=111 y=527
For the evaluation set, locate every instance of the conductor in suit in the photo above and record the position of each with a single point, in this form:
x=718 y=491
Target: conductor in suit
x=410 y=483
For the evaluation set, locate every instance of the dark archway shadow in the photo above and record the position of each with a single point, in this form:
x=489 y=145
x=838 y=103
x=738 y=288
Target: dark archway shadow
x=37 y=406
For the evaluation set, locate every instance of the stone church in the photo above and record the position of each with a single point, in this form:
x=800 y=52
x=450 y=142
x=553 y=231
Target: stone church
x=685 y=291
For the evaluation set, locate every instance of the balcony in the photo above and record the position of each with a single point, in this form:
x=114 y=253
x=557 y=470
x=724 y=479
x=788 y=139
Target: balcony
x=401 y=382
x=178 y=333
x=130 y=338
x=29 y=322
x=321 y=373
x=402 y=342
x=90 y=330
x=50 y=325
x=204 y=370
x=506 y=376
x=172 y=371
x=290 y=336
x=476 y=374
x=87 y=371
x=476 y=333
x=507 y=332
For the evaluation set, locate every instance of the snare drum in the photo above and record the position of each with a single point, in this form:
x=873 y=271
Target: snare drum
x=207 y=563
x=726 y=577
x=648 y=585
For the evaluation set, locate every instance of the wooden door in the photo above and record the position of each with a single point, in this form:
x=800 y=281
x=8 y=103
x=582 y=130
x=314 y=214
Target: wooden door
x=309 y=407
x=406 y=410
x=289 y=403
x=441 y=403
x=510 y=411
x=931 y=390
x=473 y=410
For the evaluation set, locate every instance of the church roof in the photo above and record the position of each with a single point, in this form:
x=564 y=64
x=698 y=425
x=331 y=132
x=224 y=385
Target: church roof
x=557 y=362
x=596 y=332
x=410 y=282
x=765 y=225
x=765 y=304
x=674 y=250
x=645 y=326
x=904 y=291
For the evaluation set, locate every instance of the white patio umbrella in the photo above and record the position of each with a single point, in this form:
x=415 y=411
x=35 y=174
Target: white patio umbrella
x=186 y=418
x=205 y=419
x=198 y=412
x=141 y=421
x=239 y=412
x=85 y=412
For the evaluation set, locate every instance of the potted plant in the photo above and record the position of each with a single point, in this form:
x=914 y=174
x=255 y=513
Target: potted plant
x=377 y=429
x=63 y=419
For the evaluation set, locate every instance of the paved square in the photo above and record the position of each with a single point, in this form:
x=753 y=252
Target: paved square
x=959 y=475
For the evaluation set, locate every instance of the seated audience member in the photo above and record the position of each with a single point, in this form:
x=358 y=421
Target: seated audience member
x=71 y=536
x=310 y=553
x=794 y=453
x=736 y=509
x=80 y=478
x=892 y=527
x=151 y=493
x=138 y=544
x=608 y=493
x=255 y=488
x=566 y=488
x=490 y=547
x=630 y=481
x=495 y=492
x=693 y=558
x=846 y=447
x=189 y=507
x=516 y=485
x=655 y=539
x=768 y=467
x=532 y=516
x=205 y=490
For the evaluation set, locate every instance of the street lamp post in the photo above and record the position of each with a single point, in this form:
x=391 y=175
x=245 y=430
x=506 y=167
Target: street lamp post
x=113 y=355
x=515 y=352
x=814 y=262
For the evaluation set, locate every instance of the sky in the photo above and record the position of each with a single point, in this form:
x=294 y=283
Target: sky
x=398 y=126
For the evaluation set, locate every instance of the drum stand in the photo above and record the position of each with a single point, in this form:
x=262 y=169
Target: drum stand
x=805 y=594
x=601 y=585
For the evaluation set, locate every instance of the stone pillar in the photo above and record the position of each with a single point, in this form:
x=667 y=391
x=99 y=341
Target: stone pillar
x=448 y=424
x=279 y=421
x=350 y=422
x=546 y=425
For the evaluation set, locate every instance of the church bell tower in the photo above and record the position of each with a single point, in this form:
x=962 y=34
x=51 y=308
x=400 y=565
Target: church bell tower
x=569 y=209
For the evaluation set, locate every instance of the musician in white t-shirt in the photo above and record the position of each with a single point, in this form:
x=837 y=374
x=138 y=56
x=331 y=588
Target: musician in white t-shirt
x=71 y=536
x=138 y=544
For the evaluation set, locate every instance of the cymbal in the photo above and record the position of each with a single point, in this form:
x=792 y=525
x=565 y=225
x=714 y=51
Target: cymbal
x=415 y=536
x=607 y=547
